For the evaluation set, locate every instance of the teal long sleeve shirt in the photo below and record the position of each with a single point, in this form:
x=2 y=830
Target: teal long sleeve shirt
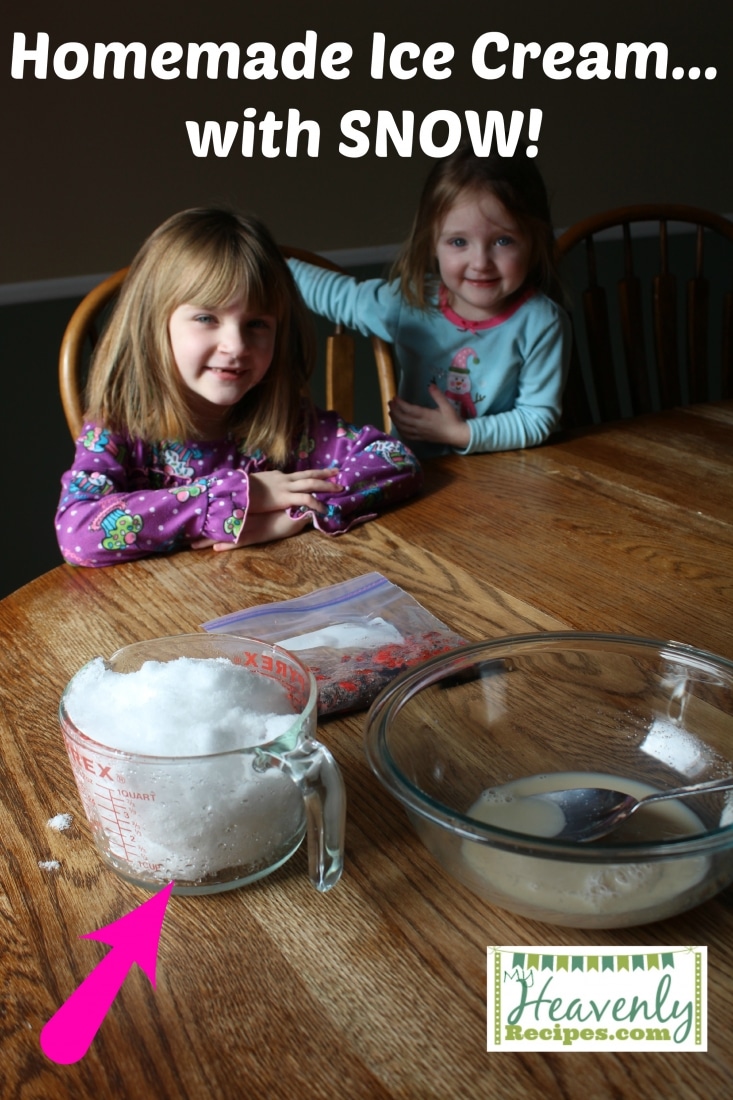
x=505 y=376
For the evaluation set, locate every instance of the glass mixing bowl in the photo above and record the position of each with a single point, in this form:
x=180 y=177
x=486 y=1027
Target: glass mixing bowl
x=556 y=710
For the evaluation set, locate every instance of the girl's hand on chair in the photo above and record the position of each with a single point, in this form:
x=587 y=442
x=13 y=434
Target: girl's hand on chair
x=274 y=491
x=441 y=424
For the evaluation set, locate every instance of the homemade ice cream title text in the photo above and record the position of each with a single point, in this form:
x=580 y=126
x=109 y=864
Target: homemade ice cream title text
x=493 y=58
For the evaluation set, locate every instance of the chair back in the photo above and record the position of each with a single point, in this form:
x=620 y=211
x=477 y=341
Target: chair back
x=82 y=333
x=665 y=337
x=339 y=346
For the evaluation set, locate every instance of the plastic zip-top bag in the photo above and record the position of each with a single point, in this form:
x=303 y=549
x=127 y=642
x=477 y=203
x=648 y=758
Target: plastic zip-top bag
x=355 y=636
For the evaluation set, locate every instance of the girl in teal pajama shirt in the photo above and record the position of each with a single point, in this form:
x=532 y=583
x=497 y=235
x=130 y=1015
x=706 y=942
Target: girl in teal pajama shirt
x=481 y=341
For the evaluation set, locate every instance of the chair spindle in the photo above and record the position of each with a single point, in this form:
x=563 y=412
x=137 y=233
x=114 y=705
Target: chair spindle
x=698 y=307
x=664 y=314
x=598 y=332
x=632 y=330
x=726 y=366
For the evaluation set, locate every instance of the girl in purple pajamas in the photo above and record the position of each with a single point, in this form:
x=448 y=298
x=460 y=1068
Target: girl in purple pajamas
x=199 y=431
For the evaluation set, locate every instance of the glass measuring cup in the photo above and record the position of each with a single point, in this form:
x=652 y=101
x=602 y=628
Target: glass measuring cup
x=237 y=806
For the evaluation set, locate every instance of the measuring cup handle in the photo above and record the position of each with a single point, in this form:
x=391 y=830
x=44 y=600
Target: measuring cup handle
x=317 y=775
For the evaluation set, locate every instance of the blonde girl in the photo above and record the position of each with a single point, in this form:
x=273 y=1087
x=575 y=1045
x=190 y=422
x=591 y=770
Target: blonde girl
x=199 y=430
x=472 y=307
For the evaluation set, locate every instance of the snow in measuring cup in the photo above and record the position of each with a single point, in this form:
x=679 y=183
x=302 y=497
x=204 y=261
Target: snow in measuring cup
x=182 y=763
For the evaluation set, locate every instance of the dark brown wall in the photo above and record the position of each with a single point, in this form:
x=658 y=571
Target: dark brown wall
x=90 y=166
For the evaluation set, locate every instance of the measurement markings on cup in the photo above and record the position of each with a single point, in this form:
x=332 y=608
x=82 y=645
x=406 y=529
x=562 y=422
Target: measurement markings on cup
x=113 y=815
x=112 y=803
x=117 y=815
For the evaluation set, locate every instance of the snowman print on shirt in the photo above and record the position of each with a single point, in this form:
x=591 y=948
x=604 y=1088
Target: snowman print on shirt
x=459 y=383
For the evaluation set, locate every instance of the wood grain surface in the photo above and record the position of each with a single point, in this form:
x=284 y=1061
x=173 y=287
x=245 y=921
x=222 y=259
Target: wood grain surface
x=378 y=988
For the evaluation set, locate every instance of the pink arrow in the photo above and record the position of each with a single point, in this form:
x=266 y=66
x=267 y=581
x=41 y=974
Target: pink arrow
x=134 y=938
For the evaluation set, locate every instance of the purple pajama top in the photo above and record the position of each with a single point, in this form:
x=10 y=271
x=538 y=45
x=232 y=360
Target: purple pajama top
x=126 y=499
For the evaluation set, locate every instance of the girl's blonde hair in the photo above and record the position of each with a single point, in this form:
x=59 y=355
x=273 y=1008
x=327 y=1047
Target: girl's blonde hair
x=206 y=256
x=517 y=184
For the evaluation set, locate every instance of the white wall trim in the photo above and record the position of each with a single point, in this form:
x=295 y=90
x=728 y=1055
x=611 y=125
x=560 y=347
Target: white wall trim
x=356 y=257
x=76 y=286
x=47 y=290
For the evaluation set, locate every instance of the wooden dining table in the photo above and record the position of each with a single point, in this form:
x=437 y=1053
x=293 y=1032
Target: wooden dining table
x=378 y=988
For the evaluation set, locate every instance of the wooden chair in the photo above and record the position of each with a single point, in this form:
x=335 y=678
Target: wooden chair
x=644 y=324
x=340 y=356
x=82 y=333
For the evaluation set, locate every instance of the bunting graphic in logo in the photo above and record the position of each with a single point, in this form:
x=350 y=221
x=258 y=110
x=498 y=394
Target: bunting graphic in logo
x=613 y=998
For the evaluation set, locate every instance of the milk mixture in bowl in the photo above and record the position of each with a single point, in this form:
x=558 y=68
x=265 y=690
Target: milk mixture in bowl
x=591 y=888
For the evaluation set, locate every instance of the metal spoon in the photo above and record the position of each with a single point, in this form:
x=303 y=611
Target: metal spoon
x=592 y=812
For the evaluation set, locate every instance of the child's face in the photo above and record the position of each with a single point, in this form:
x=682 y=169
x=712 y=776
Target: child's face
x=483 y=257
x=221 y=353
